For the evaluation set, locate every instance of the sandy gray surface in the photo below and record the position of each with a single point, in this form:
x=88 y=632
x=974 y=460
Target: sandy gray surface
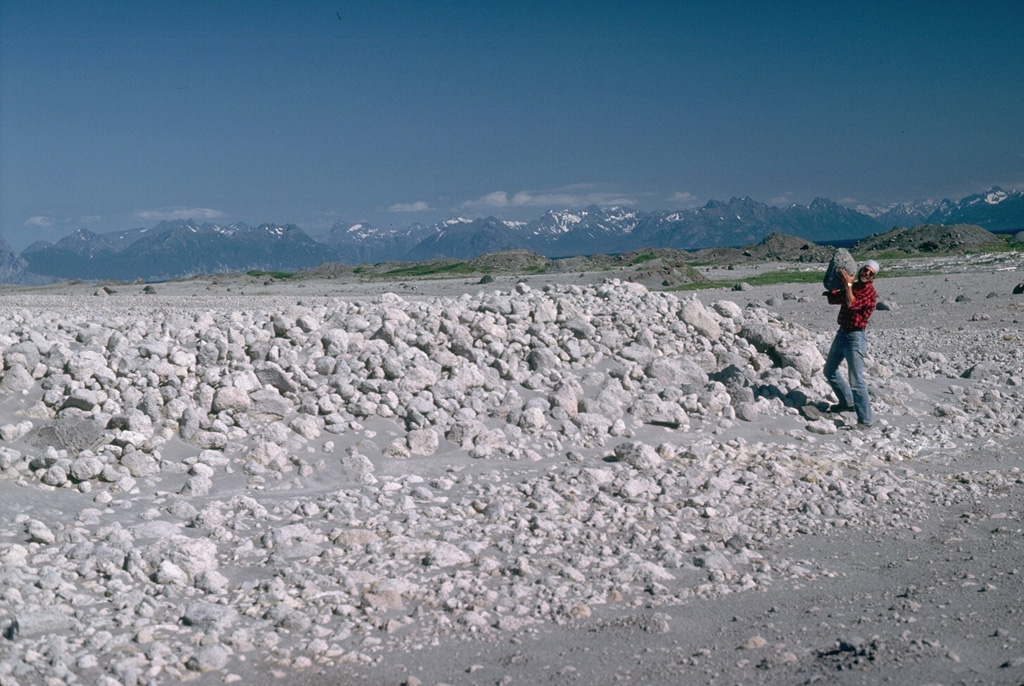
x=734 y=542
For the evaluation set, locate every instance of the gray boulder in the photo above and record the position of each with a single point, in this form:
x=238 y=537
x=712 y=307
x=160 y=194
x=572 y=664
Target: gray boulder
x=69 y=433
x=983 y=370
x=842 y=259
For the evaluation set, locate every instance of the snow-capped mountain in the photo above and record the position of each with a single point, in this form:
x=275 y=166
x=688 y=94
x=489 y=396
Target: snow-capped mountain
x=742 y=221
x=900 y=214
x=738 y=221
x=174 y=249
x=588 y=231
x=995 y=210
x=597 y=230
x=358 y=243
x=468 y=239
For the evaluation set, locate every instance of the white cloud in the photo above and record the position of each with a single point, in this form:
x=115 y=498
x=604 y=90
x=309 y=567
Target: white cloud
x=39 y=220
x=418 y=206
x=784 y=199
x=495 y=200
x=179 y=213
x=683 y=198
x=557 y=198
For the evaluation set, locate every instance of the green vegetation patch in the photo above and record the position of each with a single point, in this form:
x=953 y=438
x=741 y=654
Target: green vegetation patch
x=766 y=279
x=786 y=276
x=883 y=255
x=1012 y=245
x=436 y=269
x=640 y=259
x=272 y=274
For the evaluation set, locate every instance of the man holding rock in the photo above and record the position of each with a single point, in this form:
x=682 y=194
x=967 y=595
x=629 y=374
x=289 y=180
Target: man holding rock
x=857 y=300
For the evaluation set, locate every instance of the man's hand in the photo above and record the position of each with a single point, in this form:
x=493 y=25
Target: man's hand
x=847 y=277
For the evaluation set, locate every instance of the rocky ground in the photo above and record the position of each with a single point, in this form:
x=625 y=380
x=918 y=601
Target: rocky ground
x=548 y=479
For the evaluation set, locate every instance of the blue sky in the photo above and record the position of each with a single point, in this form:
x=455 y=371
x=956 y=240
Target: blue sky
x=115 y=115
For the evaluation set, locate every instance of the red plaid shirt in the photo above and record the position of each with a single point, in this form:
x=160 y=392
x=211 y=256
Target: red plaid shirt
x=854 y=317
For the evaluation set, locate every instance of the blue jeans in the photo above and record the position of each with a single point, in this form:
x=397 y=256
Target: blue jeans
x=849 y=346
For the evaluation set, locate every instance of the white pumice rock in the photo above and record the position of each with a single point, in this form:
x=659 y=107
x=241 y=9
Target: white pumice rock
x=361 y=464
x=423 y=441
x=652 y=409
x=704 y=321
x=231 y=398
x=446 y=555
x=17 y=378
x=824 y=427
x=210 y=440
x=208 y=659
x=15 y=432
x=39 y=532
x=639 y=486
x=307 y=426
x=198 y=485
x=34 y=621
x=138 y=464
x=86 y=468
x=170 y=574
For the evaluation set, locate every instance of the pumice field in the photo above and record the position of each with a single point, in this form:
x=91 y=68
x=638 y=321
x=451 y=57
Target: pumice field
x=543 y=479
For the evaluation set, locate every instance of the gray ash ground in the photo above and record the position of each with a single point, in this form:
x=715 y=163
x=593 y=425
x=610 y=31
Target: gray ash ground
x=542 y=480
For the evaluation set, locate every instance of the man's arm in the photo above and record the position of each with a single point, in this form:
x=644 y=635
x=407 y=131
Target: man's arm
x=848 y=288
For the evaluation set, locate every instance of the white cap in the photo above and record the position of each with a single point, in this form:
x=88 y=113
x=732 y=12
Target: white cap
x=874 y=265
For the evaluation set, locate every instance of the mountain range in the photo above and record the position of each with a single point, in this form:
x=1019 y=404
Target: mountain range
x=181 y=248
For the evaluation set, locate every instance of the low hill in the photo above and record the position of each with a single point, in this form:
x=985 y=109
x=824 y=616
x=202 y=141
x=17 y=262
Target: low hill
x=506 y=261
x=775 y=247
x=932 y=238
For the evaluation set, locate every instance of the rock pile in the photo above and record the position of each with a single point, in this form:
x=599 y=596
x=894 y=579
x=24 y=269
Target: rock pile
x=319 y=482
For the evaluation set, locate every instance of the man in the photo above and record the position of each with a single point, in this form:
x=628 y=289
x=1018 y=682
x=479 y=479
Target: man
x=857 y=300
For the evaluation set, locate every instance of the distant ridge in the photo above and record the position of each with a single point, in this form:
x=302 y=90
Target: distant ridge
x=182 y=248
